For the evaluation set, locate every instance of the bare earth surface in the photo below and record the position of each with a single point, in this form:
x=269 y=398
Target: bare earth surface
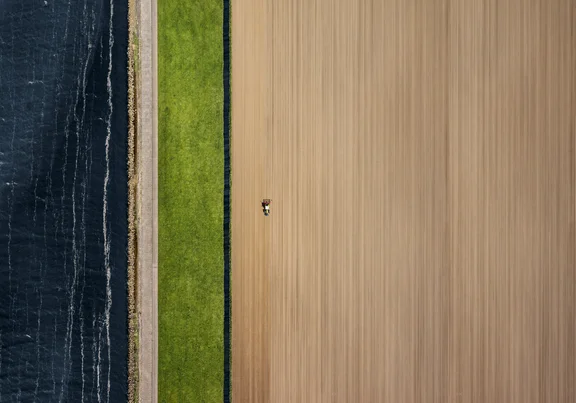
x=420 y=160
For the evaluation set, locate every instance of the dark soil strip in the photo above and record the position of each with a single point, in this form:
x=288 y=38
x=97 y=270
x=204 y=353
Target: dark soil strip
x=227 y=200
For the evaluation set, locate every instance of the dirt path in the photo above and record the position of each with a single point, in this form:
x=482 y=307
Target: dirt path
x=420 y=158
x=147 y=203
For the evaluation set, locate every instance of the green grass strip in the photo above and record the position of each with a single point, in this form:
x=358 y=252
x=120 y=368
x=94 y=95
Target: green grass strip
x=190 y=194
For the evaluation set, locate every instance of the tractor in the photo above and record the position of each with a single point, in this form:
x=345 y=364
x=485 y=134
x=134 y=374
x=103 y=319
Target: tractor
x=266 y=206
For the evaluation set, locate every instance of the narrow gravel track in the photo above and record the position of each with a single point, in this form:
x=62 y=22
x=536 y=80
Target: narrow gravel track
x=147 y=204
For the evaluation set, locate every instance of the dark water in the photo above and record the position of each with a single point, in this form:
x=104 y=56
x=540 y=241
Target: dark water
x=63 y=201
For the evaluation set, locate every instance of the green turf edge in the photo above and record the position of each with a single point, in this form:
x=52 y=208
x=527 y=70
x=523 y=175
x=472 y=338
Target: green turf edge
x=190 y=191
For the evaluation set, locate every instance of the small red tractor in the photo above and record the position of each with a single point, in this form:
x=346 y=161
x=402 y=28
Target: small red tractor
x=266 y=206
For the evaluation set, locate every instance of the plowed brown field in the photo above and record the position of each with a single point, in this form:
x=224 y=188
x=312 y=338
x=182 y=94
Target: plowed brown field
x=420 y=158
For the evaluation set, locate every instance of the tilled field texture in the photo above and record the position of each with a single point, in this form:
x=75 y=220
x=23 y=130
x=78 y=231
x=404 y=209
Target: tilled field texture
x=420 y=160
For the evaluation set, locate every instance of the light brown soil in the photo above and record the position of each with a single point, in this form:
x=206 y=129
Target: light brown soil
x=420 y=159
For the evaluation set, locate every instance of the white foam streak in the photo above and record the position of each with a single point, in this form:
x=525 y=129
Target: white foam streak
x=105 y=201
x=95 y=369
x=81 y=87
x=58 y=86
x=99 y=367
x=37 y=383
x=83 y=220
